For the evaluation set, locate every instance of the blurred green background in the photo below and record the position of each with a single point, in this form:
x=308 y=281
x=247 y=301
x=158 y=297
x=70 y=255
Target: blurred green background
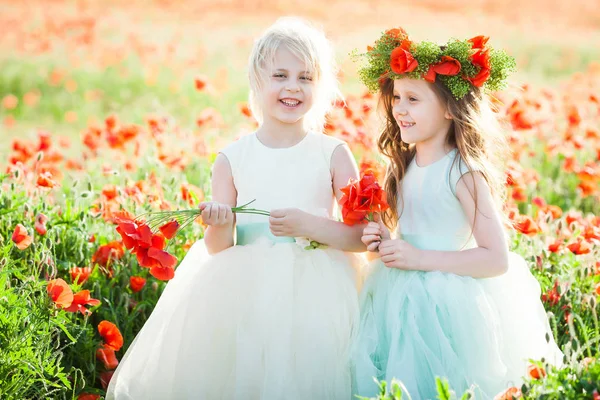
x=65 y=64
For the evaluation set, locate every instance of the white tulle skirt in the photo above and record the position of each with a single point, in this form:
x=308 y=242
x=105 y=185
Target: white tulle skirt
x=260 y=321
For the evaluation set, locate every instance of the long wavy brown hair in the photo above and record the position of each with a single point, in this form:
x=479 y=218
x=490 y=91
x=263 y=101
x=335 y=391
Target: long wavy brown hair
x=475 y=132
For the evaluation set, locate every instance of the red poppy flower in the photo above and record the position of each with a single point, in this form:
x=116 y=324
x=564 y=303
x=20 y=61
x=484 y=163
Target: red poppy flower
x=447 y=66
x=108 y=252
x=479 y=42
x=536 y=372
x=108 y=357
x=111 y=335
x=110 y=122
x=45 y=180
x=481 y=59
x=131 y=234
x=60 y=292
x=40 y=224
x=21 y=238
x=88 y=396
x=539 y=202
x=137 y=283
x=396 y=33
x=80 y=274
x=245 y=110
x=401 y=60
x=361 y=198
x=80 y=300
x=555 y=246
x=552 y=297
x=191 y=194
x=573 y=217
x=526 y=225
x=200 y=82
x=580 y=247
x=110 y=192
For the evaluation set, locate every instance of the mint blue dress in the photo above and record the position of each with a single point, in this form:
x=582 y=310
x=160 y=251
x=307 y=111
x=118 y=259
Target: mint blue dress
x=414 y=325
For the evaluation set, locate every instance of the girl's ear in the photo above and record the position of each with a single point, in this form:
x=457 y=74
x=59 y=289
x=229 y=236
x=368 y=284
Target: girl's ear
x=448 y=114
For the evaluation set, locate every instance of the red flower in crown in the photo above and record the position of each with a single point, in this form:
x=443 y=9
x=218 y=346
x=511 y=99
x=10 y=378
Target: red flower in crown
x=447 y=66
x=396 y=33
x=480 y=57
x=479 y=42
x=402 y=60
x=362 y=198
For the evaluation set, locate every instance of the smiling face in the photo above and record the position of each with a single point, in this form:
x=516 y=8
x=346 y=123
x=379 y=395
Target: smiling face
x=287 y=93
x=419 y=112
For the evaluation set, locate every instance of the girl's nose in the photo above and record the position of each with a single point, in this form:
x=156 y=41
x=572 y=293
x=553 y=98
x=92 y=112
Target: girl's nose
x=292 y=86
x=399 y=110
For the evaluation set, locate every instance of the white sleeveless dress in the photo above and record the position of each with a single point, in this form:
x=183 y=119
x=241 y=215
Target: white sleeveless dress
x=264 y=319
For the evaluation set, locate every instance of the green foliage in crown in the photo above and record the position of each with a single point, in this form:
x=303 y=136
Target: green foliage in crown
x=460 y=65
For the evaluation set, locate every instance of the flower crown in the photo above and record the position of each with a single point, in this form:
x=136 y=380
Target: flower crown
x=460 y=65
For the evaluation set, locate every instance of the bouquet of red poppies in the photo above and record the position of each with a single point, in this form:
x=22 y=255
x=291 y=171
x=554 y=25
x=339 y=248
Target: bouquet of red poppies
x=361 y=199
x=147 y=234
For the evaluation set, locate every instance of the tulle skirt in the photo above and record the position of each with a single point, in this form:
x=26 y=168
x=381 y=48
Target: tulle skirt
x=478 y=333
x=261 y=321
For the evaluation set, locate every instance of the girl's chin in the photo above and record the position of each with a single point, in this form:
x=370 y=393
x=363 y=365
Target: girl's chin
x=287 y=118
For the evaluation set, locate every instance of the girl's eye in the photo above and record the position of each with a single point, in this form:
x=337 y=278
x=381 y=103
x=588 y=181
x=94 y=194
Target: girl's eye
x=307 y=78
x=278 y=75
x=412 y=99
x=396 y=97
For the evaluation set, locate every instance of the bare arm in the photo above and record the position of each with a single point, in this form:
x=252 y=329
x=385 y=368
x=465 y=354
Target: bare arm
x=490 y=257
x=333 y=233
x=217 y=214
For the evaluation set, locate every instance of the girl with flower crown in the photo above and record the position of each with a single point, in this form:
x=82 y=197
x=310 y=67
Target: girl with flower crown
x=445 y=296
x=250 y=313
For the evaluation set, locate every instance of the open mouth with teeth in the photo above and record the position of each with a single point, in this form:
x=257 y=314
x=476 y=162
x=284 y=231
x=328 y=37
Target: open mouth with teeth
x=406 y=124
x=291 y=103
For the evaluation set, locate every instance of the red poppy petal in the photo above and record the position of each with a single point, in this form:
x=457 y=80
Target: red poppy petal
x=169 y=229
x=165 y=259
x=164 y=274
x=158 y=241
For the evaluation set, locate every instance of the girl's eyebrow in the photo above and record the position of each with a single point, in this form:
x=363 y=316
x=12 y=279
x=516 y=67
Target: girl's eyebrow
x=301 y=72
x=408 y=92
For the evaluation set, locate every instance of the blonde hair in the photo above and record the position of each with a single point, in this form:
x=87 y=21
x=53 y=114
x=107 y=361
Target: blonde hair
x=308 y=44
x=474 y=132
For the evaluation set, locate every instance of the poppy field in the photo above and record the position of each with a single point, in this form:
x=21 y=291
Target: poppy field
x=110 y=112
